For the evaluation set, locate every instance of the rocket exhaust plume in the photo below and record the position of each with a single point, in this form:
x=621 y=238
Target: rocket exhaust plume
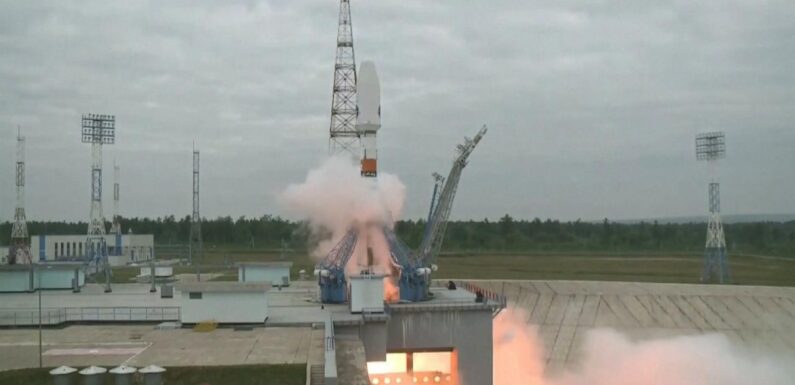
x=334 y=198
x=610 y=358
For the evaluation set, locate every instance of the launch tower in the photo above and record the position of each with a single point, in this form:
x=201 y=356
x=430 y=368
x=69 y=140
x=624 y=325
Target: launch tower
x=343 y=136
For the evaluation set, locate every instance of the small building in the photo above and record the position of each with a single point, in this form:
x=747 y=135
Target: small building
x=122 y=249
x=367 y=293
x=161 y=271
x=223 y=302
x=274 y=273
x=54 y=276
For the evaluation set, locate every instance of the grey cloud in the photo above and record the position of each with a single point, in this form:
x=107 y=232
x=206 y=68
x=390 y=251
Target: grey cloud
x=592 y=105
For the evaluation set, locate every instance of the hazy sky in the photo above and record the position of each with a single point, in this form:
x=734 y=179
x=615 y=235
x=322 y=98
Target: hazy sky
x=592 y=105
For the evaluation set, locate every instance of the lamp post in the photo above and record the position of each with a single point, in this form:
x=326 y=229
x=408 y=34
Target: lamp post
x=38 y=289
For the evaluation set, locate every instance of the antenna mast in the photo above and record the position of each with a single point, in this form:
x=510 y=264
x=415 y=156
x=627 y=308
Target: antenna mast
x=195 y=246
x=20 y=247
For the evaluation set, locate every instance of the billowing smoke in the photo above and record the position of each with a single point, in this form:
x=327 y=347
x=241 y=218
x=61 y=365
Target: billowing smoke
x=610 y=358
x=334 y=198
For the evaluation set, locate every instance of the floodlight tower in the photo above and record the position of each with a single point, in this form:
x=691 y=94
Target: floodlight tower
x=343 y=136
x=710 y=147
x=98 y=130
x=195 y=245
x=20 y=249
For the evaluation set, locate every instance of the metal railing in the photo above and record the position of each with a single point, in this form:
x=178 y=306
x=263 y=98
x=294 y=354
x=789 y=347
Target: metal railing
x=56 y=316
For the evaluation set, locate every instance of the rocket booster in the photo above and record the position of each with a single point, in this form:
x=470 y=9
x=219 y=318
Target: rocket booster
x=368 y=119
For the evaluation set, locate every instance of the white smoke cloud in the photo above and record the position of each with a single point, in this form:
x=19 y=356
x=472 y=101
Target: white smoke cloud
x=610 y=358
x=335 y=197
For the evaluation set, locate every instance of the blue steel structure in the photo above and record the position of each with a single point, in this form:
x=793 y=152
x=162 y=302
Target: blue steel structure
x=414 y=267
x=331 y=271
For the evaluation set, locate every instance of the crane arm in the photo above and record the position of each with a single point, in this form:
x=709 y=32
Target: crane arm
x=437 y=225
x=341 y=253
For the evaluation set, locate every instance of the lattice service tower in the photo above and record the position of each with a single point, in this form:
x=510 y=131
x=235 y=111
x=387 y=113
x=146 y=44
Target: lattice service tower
x=710 y=147
x=343 y=136
x=195 y=246
x=20 y=247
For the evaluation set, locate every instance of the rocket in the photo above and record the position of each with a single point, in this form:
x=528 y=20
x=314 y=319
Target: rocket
x=368 y=116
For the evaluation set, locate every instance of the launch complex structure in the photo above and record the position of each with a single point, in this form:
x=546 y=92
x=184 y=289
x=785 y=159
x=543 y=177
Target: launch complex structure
x=409 y=270
x=412 y=331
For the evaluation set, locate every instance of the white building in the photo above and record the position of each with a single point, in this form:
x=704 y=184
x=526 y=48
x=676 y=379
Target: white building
x=23 y=278
x=122 y=249
x=274 y=273
x=367 y=293
x=223 y=302
x=161 y=271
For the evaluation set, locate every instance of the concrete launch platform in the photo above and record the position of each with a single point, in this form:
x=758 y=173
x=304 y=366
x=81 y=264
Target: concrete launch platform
x=753 y=317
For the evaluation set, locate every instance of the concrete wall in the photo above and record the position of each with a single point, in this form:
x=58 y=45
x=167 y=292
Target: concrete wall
x=58 y=278
x=468 y=332
x=373 y=334
x=271 y=274
x=22 y=280
x=224 y=307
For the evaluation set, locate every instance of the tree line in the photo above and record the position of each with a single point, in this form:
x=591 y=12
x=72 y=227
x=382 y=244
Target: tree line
x=504 y=235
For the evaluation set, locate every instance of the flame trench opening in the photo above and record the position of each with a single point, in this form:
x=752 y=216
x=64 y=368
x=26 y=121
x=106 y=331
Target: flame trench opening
x=415 y=367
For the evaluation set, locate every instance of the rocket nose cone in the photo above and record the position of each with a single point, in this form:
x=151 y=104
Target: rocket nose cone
x=368 y=89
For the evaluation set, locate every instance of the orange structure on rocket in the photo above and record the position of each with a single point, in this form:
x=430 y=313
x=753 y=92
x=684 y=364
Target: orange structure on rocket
x=368 y=119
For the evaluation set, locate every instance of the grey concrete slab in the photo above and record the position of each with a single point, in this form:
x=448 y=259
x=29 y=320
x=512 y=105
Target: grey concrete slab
x=141 y=345
x=752 y=317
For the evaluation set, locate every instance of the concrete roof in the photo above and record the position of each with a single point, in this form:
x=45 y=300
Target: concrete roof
x=43 y=267
x=224 y=287
x=267 y=264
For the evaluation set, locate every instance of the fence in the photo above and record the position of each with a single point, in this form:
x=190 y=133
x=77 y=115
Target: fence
x=56 y=316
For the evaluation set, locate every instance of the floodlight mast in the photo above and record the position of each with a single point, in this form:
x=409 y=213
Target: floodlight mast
x=97 y=129
x=711 y=147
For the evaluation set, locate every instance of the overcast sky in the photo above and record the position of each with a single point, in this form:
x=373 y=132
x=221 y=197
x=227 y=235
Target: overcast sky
x=592 y=105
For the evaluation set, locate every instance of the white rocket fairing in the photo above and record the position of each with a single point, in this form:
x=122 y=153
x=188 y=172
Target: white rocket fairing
x=368 y=119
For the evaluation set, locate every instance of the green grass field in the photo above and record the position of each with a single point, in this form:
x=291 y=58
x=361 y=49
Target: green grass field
x=197 y=375
x=624 y=266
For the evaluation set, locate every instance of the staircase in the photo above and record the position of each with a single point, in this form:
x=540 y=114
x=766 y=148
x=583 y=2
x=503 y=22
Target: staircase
x=316 y=374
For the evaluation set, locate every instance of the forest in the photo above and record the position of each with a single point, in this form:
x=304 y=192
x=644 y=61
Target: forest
x=505 y=235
